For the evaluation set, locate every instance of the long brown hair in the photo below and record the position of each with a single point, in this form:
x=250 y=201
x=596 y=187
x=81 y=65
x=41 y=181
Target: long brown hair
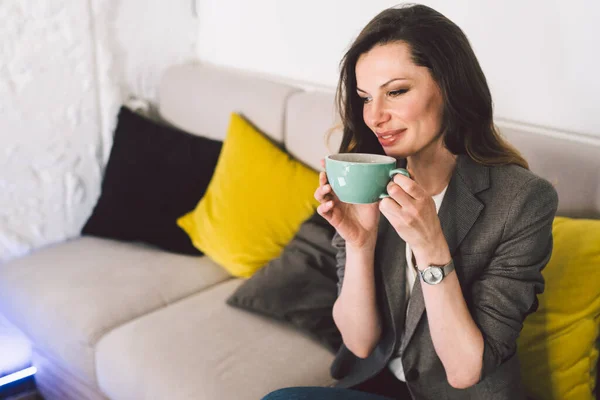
x=441 y=46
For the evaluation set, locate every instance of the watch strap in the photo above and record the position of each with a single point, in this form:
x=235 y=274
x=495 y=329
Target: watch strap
x=448 y=268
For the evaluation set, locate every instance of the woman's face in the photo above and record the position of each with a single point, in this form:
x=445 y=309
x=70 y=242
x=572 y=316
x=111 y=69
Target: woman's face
x=402 y=102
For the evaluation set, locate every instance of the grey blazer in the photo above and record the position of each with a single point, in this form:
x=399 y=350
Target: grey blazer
x=498 y=224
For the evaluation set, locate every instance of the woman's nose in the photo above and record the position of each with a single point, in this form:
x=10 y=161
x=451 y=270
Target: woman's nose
x=375 y=114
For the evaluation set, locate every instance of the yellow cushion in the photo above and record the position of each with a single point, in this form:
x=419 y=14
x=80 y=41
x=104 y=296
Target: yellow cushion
x=254 y=204
x=558 y=344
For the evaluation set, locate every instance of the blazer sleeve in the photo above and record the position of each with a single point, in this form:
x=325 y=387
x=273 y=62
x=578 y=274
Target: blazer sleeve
x=340 y=256
x=507 y=290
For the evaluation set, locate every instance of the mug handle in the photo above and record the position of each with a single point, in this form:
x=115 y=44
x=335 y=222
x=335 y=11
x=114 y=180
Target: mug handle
x=394 y=172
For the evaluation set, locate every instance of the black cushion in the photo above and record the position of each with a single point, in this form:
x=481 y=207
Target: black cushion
x=300 y=286
x=155 y=174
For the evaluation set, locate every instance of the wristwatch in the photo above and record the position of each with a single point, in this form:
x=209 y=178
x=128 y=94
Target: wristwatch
x=434 y=274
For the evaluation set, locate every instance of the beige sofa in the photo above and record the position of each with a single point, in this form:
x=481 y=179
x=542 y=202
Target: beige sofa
x=127 y=321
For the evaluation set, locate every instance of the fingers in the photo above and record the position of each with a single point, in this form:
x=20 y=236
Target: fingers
x=324 y=193
x=409 y=186
x=400 y=196
x=325 y=209
x=322 y=178
x=390 y=208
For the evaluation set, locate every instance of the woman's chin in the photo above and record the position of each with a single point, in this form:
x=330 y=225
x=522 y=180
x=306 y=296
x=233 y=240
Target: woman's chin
x=396 y=153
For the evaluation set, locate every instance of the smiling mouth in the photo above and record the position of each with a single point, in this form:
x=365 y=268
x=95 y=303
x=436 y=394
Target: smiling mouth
x=389 y=134
x=389 y=137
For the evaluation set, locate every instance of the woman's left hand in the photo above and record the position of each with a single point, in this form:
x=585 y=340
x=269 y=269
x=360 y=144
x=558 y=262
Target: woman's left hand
x=412 y=213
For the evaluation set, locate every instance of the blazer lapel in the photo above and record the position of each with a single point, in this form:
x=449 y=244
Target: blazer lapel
x=458 y=212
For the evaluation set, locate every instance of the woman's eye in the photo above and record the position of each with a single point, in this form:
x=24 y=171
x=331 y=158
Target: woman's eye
x=395 y=93
x=365 y=100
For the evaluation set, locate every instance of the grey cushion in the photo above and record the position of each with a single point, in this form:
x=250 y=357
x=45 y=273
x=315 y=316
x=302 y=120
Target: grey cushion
x=300 y=286
x=202 y=349
x=66 y=297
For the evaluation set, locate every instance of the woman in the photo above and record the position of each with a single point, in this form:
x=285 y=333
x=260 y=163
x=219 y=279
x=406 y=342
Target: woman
x=435 y=281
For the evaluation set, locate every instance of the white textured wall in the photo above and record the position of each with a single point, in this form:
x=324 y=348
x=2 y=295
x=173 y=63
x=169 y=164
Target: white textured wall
x=48 y=122
x=540 y=57
x=135 y=41
x=65 y=67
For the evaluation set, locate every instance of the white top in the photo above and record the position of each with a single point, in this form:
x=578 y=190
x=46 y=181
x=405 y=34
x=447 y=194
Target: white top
x=395 y=364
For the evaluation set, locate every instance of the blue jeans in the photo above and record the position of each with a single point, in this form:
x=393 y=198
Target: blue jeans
x=321 y=393
x=383 y=386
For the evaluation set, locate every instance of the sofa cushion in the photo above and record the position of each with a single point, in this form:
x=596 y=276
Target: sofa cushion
x=55 y=380
x=254 y=204
x=312 y=126
x=66 y=297
x=212 y=351
x=154 y=175
x=558 y=346
x=199 y=98
x=300 y=286
x=567 y=160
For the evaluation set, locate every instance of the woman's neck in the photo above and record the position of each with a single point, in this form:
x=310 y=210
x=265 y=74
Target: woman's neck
x=432 y=168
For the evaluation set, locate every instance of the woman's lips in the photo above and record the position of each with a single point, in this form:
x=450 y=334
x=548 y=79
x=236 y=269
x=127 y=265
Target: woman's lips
x=390 y=137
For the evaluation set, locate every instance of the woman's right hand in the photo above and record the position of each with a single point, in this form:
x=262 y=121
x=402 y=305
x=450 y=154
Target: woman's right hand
x=356 y=223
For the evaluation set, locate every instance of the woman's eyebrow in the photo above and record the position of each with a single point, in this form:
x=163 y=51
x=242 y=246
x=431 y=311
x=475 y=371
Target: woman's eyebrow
x=385 y=84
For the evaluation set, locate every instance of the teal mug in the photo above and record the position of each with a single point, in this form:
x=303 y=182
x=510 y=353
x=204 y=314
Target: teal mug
x=361 y=178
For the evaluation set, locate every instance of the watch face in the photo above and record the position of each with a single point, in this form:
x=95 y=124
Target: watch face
x=433 y=275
